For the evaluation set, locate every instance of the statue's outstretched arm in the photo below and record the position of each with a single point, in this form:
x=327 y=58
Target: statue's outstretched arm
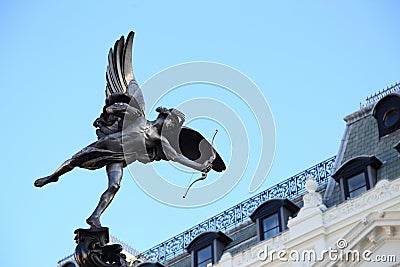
x=173 y=155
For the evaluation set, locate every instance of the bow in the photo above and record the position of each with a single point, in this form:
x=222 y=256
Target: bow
x=204 y=172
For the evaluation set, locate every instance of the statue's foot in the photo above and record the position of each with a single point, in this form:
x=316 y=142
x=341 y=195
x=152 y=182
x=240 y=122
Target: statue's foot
x=43 y=181
x=94 y=222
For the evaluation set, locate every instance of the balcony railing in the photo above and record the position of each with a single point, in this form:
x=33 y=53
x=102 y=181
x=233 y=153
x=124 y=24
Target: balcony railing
x=290 y=188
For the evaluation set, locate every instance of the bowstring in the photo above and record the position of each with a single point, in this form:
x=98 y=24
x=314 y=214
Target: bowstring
x=191 y=178
x=212 y=147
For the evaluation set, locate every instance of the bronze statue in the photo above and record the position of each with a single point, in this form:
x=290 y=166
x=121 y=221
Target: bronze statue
x=125 y=135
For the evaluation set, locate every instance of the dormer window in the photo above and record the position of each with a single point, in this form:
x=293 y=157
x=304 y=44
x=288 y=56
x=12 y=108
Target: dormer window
x=271 y=226
x=357 y=175
x=206 y=249
x=204 y=257
x=387 y=114
x=272 y=216
x=357 y=184
x=391 y=118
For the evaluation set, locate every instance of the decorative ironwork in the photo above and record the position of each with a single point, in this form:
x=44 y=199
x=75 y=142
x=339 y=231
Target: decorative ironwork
x=389 y=90
x=126 y=247
x=238 y=214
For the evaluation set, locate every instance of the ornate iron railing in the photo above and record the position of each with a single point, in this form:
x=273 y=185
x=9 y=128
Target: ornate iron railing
x=389 y=90
x=236 y=215
x=125 y=246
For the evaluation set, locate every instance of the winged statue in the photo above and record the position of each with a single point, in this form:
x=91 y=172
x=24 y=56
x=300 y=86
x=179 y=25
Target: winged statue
x=125 y=135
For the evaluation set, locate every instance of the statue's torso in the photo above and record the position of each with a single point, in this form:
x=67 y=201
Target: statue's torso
x=136 y=141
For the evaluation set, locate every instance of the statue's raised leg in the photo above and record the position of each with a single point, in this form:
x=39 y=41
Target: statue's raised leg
x=114 y=173
x=64 y=168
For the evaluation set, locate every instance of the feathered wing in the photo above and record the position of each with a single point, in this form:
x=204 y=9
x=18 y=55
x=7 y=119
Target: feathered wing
x=194 y=146
x=119 y=73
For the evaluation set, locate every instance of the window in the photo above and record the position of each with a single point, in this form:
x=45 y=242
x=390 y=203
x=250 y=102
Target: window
x=391 y=117
x=357 y=175
x=356 y=185
x=207 y=248
x=271 y=217
x=204 y=257
x=387 y=114
x=271 y=226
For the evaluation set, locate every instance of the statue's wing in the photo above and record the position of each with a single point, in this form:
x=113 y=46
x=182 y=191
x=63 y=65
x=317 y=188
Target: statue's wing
x=119 y=74
x=194 y=146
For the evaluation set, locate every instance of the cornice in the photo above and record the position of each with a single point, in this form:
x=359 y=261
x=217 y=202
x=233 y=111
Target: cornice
x=382 y=191
x=358 y=115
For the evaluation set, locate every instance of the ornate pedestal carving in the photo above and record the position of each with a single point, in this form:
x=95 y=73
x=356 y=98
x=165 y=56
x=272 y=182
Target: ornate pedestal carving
x=93 y=249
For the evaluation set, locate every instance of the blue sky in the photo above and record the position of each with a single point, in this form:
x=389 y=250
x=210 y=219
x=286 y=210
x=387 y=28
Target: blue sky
x=314 y=61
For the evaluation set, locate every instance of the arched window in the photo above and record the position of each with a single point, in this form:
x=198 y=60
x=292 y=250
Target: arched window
x=387 y=114
x=272 y=216
x=207 y=248
x=357 y=175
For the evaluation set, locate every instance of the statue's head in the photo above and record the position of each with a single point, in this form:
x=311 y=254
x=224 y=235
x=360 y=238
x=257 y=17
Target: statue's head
x=173 y=118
